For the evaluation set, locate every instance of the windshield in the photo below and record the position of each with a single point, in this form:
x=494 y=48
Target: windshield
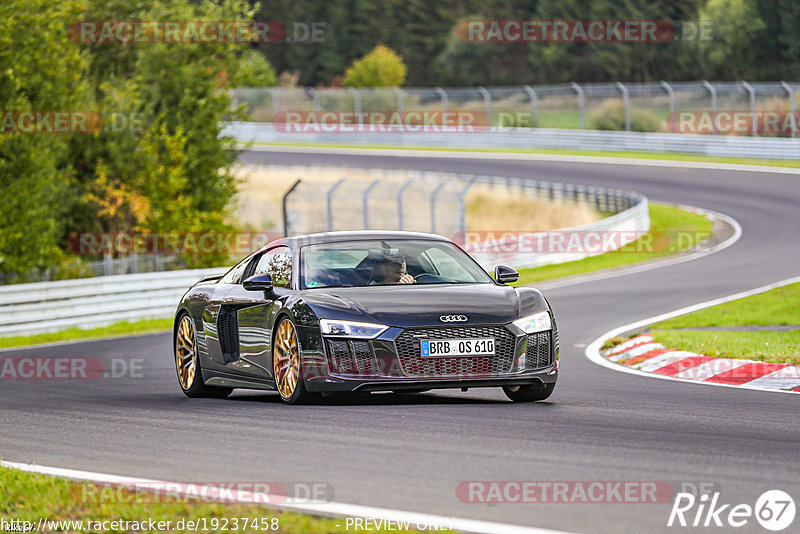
x=387 y=262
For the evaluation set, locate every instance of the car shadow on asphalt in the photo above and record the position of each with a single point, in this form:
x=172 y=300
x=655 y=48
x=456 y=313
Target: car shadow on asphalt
x=370 y=399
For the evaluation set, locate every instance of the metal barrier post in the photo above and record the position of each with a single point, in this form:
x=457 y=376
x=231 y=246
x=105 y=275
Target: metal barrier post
x=534 y=106
x=433 y=205
x=443 y=96
x=487 y=103
x=581 y=106
x=671 y=95
x=330 y=202
x=400 y=222
x=401 y=102
x=366 y=203
x=790 y=92
x=276 y=104
x=315 y=97
x=627 y=102
x=752 y=92
x=713 y=93
x=285 y=209
x=462 y=207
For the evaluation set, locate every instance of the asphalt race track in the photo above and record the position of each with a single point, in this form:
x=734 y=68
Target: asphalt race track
x=410 y=452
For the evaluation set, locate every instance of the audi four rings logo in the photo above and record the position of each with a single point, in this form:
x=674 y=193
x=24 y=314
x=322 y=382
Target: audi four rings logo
x=453 y=318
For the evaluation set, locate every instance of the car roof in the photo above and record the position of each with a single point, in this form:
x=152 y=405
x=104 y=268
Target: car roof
x=355 y=235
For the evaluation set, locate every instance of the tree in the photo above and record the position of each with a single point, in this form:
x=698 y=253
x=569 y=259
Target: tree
x=40 y=70
x=380 y=68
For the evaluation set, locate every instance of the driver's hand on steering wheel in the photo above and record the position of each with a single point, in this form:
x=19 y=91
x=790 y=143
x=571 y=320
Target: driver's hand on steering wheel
x=407 y=279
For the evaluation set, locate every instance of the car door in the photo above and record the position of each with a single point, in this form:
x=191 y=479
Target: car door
x=216 y=324
x=249 y=313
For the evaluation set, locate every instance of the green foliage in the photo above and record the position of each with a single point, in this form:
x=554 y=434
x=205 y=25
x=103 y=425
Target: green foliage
x=736 y=24
x=40 y=69
x=611 y=116
x=380 y=68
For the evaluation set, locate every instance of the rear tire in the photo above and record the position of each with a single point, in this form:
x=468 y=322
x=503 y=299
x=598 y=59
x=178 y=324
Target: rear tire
x=187 y=363
x=529 y=393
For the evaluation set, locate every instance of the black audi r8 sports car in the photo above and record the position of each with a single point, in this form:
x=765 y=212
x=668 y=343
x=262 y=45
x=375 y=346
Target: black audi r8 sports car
x=364 y=311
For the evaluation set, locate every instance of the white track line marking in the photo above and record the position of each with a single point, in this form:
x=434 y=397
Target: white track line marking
x=327 y=509
x=559 y=158
x=593 y=350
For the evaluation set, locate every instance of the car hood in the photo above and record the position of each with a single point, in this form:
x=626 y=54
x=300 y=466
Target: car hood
x=406 y=305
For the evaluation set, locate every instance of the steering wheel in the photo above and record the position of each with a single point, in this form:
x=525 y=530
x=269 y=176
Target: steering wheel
x=422 y=276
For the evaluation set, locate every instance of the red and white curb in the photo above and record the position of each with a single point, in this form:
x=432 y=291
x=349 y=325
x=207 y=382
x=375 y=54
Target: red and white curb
x=643 y=354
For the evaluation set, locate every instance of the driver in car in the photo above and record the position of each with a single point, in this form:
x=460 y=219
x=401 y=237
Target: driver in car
x=391 y=270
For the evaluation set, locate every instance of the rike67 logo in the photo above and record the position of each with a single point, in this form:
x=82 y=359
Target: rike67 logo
x=774 y=510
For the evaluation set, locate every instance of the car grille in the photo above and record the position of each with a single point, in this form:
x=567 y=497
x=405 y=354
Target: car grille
x=351 y=358
x=413 y=364
x=538 y=353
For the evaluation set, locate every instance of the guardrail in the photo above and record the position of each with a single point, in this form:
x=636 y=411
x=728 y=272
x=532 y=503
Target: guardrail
x=537 y=138
x=91 y=302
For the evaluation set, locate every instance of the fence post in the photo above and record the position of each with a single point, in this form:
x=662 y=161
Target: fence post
x=462 y=207
x=487 y=103
x=400 y=222
x=627 y=102
x=315 y=98
x=433 y=205
x=671 y=95
x=285 y=208
x=276 y=104
x=713 y=93
x=534 y=106
x=752 y=92
x=581 y=108
x=790 y=92
x=443 y=96
x=401 y=103
x=367 y=191
x=330 y=202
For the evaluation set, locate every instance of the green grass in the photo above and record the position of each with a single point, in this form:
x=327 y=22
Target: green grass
x=776 y=307
x=30 y=496
x=765 y=346
x=657 y=243
x=563 y=152
x=122 y=328
x=779 y=306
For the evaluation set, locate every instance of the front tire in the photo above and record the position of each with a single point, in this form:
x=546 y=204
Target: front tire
x=286 y=364
x=529 y=393
x=187 y=363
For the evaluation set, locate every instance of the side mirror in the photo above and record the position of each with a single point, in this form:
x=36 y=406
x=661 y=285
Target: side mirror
x=259 y=282
x=505 y=275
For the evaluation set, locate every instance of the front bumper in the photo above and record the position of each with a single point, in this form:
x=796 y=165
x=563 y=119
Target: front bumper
x=393 y=362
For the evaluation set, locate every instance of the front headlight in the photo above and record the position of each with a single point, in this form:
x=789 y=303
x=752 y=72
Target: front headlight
x=351 y=329
x=534 y=323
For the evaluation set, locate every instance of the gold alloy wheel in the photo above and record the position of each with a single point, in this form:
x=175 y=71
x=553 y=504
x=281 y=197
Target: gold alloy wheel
x=185 y=353
x=286 y=359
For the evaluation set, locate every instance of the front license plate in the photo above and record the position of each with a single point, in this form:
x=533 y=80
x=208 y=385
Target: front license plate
x=457 y=347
